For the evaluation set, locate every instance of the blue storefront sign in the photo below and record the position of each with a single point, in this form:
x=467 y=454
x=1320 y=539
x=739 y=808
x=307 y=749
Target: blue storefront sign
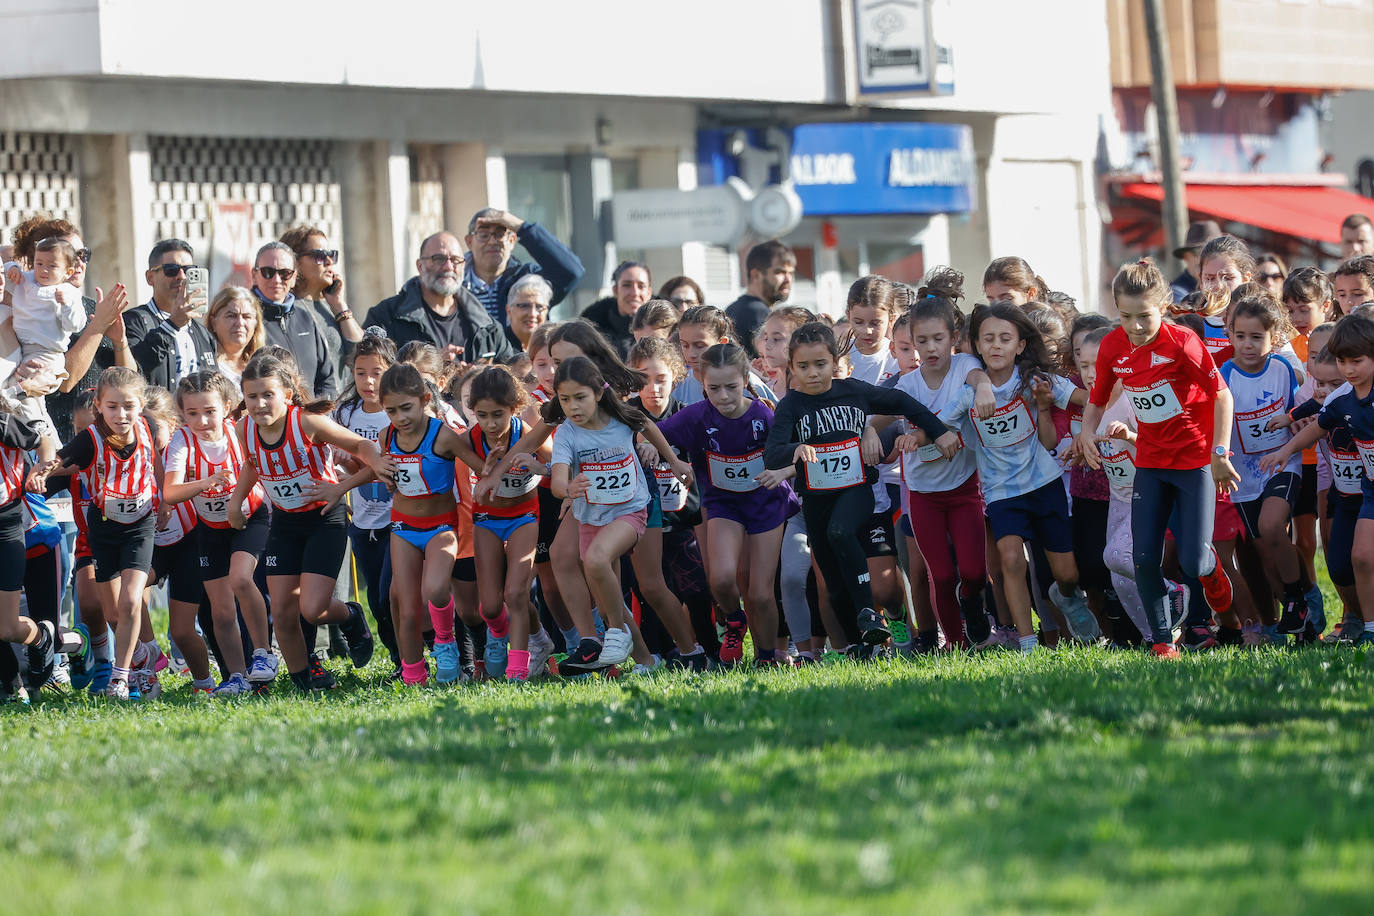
x=859 y=169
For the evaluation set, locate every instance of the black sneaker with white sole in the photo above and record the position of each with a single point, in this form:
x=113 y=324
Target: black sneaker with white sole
x=357 y=635
x=873 y=627
x=586 y=657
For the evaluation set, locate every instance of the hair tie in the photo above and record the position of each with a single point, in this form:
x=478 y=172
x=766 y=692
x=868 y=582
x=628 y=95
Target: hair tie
x=605 y=386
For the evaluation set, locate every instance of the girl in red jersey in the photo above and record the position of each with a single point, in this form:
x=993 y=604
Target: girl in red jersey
x=1183 y=412
x=120 y=467
x=204 y=461
x=286 y=447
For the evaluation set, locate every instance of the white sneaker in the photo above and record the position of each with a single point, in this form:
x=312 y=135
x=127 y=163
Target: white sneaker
x=117 y=690
x=541 y=650
x=149 y=686
x=616 y=646
x=263 y=668
x=235 y=685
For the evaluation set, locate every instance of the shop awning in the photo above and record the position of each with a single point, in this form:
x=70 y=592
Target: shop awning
x=1301 y=212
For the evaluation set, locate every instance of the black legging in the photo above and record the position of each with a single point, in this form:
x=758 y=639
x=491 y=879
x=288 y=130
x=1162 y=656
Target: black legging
x=833 y=521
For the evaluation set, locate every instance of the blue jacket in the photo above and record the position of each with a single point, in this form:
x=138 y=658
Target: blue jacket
x=553 y=260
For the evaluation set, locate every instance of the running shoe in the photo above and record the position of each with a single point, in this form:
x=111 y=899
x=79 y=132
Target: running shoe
x=1366 y=638
x=927 y=642
x=977 y=628
x=118 y=690
x=586 y=657
x=162 y=661
x=1294 y=617
x=1196 y=639
x=495 y=655
x=149 y=687
x=1316 y=614
x=616 y=648
x=320 y=678
x=1164 y=650
x=541 y=650
x=1175 y=603
x=901 y=636
x=697 y=661
x=732 y=640
x=178 y=661
x=357 y=635
x=338 y=643
x=40 y=656
x=1216 y=588
x=100 y=676
x=236 y=685
x=873 y=628
x=1074 y=606
x=446 y=668
x=263 y=668
x=1346 y=632
x=81 y=662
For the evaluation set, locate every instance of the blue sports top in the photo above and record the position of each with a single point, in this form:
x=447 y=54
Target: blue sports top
x=421 y=473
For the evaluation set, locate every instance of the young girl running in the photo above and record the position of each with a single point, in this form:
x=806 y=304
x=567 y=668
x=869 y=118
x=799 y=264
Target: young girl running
x=724 y=437
x=1183 y=411
x=287 y=447
x=119 y=465
x=818 y=426
x=1025 y=494
x=506 y=523
x=594 y=463
x=203 y=464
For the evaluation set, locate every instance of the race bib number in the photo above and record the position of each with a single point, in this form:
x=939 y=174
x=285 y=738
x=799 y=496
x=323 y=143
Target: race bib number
x=1347 y=469
x=612 y=482
x=1010 y=424
x=126 y=509
x=837 y=466
x=1154 y=404
x=1255 y=437
x=1119 y=467
x=1075 y=421
x=736 y=473
x=61 y=507
x=930 y=452
x=672 y=495
x=410 y=478
x=289 y=492
x=514 y=486
x=1366 y=456
x=213 y=505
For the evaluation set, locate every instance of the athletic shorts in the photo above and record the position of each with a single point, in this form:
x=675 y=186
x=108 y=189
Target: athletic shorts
x=1307 y=493
x=503 y=527
x=654 y=516
x=877 y=537
x=1041 y=516
x=12 y=560
x=118 y=547
x=754 y=516
x=465 y=569
x=217 y=545
x=419 y=531
x=550 y=516
x=306 y=542
x=178 y=564
x=1227 y=524
x=587 y=533
x=1286 y=486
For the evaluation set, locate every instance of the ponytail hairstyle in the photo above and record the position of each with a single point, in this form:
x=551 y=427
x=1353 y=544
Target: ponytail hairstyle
x=816 y=332
x=658 y=348
x=1265 y=309
x=582 y=371
x=942 y=283
x=937 y=308
x=374 y=343
x=1035 y=359
x=209 y=381
x=1142 y=280
x=1055 y=333
x=1229 y=248
x=266 y=366
x=404 y=379
x=582 y=334
x=714 y=320
x=426 y=358
x=877 y=293
x=124 y=379
x=1017 y=274
x=727 y=356
x=498 y=384
x=1309 y=284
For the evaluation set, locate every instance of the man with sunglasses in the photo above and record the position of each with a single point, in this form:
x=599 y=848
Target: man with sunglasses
x=436 y=308
x=295 y=329
x=167 y=342
x=490 y=270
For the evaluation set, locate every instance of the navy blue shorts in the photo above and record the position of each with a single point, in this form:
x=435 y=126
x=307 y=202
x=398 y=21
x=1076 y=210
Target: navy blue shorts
x=1041 y=516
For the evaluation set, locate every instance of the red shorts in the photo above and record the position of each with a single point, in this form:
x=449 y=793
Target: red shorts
x=1228 y=525
x=587 y=533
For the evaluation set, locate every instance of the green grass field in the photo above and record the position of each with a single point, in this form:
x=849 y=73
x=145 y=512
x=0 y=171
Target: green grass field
x=1233 y=782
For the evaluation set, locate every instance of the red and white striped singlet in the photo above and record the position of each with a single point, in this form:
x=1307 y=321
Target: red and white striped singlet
x=123 y=489
x=291 y=465
x=212 y=505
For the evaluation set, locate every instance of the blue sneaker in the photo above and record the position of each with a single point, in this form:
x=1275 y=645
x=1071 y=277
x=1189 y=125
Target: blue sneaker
x=1365 y=638
x=446 y=669
x=1316 y=612
x=1271 y=631
x=1082 y=624
x=495 y=655
x=79 y=665
x=100 y=676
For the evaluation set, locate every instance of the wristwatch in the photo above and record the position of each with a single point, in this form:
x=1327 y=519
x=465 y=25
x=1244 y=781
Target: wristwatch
x=1221 y=451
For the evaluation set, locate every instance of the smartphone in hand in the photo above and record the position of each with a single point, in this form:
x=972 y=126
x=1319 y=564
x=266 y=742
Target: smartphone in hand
x=198 y=291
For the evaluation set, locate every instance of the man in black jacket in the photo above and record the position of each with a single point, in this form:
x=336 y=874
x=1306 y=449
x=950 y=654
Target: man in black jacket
x=435 y=308
x=491 y=271
x=168 y=342
x=770 y=267
x=274 y=270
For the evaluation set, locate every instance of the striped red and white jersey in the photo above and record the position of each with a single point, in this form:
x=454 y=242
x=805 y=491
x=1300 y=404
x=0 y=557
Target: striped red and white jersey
x=123 y=489
x=212 y=505
x=290 y=467
x=11 y=474
x=179 y=524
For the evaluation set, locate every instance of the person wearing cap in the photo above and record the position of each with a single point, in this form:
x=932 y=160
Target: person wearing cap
x=1199 y=234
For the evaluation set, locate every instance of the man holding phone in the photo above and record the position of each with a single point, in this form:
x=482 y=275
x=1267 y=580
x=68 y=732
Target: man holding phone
x=167 y=343
x=434 y=307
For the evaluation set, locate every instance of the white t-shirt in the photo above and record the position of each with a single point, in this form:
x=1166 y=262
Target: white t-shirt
x=42 y=324
x=371 y=502
x=875 y=370
x=926 y=470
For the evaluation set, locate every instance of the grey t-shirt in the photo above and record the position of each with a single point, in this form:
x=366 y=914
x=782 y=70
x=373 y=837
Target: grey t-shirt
x=608 y=458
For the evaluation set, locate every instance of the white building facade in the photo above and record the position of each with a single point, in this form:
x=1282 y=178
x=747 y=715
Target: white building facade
x=225 y=125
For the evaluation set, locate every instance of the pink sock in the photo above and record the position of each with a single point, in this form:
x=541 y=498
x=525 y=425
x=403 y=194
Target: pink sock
x=499 y=626
x=517 y=664
x=414 y=673
x=442 y=618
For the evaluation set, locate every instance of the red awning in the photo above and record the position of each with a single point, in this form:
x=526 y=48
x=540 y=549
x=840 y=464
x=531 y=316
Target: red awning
x=1301 y=212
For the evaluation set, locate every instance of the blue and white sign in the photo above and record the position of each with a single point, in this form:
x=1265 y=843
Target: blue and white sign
x=865 y=169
